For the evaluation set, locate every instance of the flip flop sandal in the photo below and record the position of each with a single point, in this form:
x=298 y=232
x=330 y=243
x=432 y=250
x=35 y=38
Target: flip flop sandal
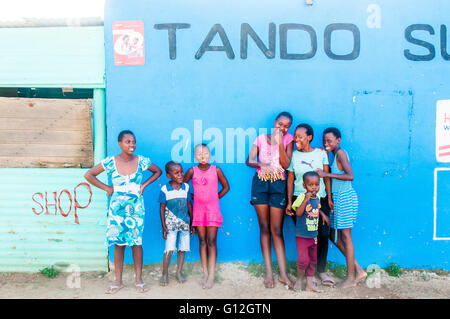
x=141 y=287
x=113 y=289
x=327 y=281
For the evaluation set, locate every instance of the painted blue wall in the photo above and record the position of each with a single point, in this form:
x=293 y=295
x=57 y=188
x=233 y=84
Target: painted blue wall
x=383 y=103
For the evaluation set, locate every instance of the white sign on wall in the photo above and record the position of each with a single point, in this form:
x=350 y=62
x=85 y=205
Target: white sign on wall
x=443 y=131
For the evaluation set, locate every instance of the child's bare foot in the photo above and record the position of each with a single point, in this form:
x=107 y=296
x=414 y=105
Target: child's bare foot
x=287 y=282
x=360 y=275
x=298 y=285
x=204 y=279
x=313 y=288
x=268 y=282
x=209 y=283
x=348 y=283
x=180 y=278
x=164 y=281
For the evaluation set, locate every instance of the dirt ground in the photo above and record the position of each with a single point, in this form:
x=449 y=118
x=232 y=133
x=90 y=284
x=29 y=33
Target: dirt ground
x=233 y=281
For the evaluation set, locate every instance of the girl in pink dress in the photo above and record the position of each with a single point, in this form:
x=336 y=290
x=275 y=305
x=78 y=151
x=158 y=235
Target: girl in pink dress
x=206 y=212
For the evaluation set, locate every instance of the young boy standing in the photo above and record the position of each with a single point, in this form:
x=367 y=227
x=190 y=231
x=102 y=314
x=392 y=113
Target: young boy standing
x=307 y=207
x=176 y=219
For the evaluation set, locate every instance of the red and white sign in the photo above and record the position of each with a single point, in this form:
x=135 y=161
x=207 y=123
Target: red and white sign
x=129 y=46
x=443 y=131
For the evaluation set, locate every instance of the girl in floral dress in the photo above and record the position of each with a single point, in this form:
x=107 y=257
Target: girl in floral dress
x=125 y=223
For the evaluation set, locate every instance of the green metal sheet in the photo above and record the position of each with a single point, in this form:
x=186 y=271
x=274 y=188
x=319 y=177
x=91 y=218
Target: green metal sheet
x=37 y=231
x=52 y=57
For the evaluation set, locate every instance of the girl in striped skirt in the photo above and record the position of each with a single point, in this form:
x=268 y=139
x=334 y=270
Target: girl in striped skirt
x=345 y=206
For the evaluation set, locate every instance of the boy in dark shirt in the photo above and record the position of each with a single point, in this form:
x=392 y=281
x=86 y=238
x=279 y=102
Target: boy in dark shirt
x=307 y=208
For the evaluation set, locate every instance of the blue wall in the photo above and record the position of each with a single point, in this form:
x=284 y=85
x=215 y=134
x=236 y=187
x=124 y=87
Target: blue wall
x=383 y=103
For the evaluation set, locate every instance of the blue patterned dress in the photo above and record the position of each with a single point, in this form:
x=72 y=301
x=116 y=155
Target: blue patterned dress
x=125 y=223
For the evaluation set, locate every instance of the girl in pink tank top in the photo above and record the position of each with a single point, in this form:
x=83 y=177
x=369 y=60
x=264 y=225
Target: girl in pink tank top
x=206 y=212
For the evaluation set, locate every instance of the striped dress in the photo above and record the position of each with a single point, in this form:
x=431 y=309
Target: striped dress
x=345 y=201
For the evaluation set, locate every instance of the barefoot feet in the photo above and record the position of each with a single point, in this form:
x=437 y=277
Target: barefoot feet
x=287 y=282
x=180 y=278
x=208 y=283
x=164 y=281
x=348 y=283
x=268 y=282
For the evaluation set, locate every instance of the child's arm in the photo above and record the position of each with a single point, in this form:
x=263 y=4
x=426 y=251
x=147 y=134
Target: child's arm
x=91 y=177
x=327 y=182
x=342 y=158
x=162 y=208
x=325 y=218
x=290 y=192
x=188 y=175
x=156 y=174
x=252 y=161
x=190 y=217
x=223 y=181
x=301 y=209
x=285 y=154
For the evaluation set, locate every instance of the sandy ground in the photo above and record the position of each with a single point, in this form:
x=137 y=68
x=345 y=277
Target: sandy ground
x=233 y=281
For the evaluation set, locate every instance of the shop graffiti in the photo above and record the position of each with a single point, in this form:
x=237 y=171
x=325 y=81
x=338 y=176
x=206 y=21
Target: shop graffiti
x=52 y=202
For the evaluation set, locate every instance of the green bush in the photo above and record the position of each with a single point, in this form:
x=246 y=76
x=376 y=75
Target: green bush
x=338 y=270
x=393 y=270
x=49 y=272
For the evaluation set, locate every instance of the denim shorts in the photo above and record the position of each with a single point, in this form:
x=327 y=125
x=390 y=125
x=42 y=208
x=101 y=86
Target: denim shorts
x=268 y=193
x=177 y=240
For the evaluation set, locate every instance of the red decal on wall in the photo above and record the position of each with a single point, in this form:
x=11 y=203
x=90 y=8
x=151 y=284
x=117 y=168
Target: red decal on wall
x=129 y=46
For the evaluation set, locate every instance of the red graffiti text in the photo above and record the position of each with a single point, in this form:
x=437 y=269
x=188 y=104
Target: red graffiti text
x=51 y=202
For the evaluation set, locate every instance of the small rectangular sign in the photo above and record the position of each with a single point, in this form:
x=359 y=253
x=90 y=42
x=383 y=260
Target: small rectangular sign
x=443 y=131
x=128 y=38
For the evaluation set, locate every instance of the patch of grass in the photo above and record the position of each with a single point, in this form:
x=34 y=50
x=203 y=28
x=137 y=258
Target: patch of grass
x=393 y=269
x=340 y=271
x=259 y=270
x=256 y=269
x=49 y=272
x=440 y=272
x=217 y=277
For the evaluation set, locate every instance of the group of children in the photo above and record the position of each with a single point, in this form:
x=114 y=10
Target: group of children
x=307 y=194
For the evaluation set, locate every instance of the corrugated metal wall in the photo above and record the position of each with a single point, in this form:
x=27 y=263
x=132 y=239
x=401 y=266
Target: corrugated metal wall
x=38 y=231
x=38 y=224
x=52 y=57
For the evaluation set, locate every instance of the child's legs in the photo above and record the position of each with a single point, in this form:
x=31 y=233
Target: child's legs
x=263 y=214
x=201 y=230
x=276 y=229
x=346 y=237
x=304 y=256
x=118 y=262
x=211 y=237
x=170 y=248
x=346 y=247
x=322 y=237
x=138 y=256
x=183 y=245
x=312 y=251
